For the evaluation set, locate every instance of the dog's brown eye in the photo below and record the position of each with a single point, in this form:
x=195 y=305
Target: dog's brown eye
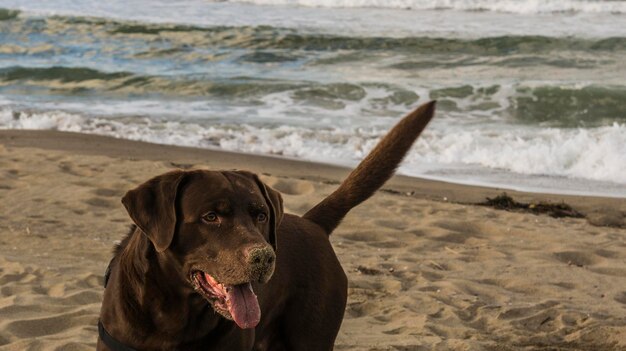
x=210 y=217
x=261 y=217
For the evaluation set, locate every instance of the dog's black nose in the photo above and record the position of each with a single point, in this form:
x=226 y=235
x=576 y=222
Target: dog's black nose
x=261 y=256
x=261 y=261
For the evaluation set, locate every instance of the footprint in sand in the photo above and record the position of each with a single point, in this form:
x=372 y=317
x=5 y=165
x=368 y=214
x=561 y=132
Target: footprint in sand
x=612 y=271
x=101 y=202
x=454 y=238
x=57 y=290
x=89 y=281
x=460 y=232
x=12 y=174
x=467 y=228
x=397 y=331
x=388 y=244
x=526 y=312
x=565 y=285
x=577 y=258
x=366 y=236
x=82 y=298
x=37 y=327
x=79 y=171
x=544 y=321
x=105 y=192
x=431 y=277
x=608 y=253
x=289 y=186
x=621 y=298
x=391 y=223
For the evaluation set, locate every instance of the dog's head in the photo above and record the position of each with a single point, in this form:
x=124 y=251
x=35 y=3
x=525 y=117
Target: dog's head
x=217 y=231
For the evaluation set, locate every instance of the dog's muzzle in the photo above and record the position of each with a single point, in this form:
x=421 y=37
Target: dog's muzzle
x=261 y=261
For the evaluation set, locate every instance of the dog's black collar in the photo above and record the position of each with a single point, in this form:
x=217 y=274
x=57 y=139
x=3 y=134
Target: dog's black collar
x=110 y=341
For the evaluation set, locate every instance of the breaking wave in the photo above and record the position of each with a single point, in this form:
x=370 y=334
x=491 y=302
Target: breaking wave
x=593 y=153
x=513 y=6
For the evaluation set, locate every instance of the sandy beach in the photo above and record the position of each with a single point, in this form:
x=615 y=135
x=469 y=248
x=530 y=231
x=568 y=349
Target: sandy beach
x=428 y=269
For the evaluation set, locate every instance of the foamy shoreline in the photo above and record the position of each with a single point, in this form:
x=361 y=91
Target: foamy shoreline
x=586 y=162
x=90 y=144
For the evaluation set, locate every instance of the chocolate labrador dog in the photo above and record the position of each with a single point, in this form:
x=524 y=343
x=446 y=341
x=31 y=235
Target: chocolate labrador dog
x=213 y=263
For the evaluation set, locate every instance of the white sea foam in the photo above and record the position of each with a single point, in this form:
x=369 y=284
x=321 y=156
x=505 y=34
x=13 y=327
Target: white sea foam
x=513 y=6
x=363 y=17
x=597 y=154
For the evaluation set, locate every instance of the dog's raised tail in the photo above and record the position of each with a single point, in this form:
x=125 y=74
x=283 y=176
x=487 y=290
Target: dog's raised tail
x=373 y=171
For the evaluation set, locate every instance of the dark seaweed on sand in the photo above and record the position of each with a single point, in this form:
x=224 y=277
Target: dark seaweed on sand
x=556 y=210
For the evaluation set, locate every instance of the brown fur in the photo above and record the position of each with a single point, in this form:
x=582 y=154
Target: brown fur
x=149 y=302
x=373 y=171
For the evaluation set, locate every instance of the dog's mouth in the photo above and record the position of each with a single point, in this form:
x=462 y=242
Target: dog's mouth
x=235 y=302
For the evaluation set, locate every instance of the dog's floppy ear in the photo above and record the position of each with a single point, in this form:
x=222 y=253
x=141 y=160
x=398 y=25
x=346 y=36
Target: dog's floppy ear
x=275 y=203
x=152 y=206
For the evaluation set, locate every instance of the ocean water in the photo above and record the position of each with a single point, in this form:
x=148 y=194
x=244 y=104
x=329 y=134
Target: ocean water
x=531 y=94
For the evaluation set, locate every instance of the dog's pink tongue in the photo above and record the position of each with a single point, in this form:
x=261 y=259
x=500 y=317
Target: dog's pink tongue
x=243 y=305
